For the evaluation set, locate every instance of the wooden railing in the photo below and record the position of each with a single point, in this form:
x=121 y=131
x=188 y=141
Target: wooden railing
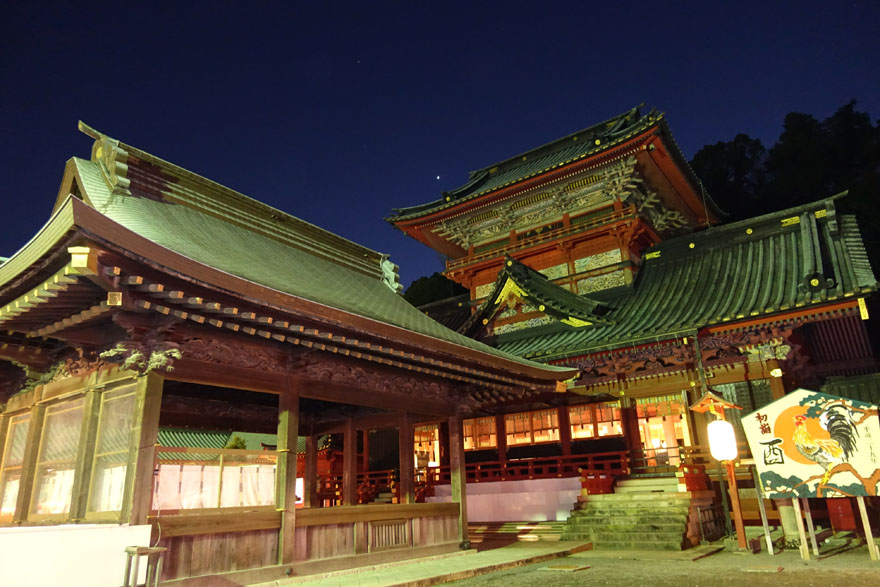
x=369 y=485
x=611 y=463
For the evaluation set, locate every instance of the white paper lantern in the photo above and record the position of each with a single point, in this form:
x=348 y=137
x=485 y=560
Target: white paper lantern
x=722 y=441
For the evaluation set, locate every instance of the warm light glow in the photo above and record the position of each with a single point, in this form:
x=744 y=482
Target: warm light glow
x=722 y=441
x=777 y=372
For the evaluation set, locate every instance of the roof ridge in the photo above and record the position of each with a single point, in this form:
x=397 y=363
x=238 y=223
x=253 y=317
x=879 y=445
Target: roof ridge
x=253 y=215
x=559 y=141
x=717 y=230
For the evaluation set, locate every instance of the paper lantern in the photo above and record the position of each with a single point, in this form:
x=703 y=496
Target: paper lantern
x=722 y=440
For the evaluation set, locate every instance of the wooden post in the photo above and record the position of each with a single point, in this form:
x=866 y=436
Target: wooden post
x=443 y=434
x=802 y=535
x=365 y=457
x=406 y=459
x=145 y=435
x=85 y=453
x=285 y=479
x=500 y=442
x=777 y=385
x=349 y=464
x=310 y=475
x=735 y=506
x=564 y=430
x=29 y=463
x=458 y=475
x=866 y=524
x=759 y=491
x=811 y=530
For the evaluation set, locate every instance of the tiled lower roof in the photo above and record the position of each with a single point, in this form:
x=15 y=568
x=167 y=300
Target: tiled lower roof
x=808 y=257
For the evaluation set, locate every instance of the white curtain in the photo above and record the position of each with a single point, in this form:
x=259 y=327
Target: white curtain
x=108 y=489
x=55 y=489
x=196 y=486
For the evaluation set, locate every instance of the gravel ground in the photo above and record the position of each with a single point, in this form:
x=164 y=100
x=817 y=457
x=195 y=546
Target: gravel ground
x=846 y=567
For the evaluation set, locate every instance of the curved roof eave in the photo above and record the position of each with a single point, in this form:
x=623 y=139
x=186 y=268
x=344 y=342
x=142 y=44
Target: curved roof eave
x=103 y=228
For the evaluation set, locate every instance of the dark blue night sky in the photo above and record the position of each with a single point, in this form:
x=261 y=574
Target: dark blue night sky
x=339 y=112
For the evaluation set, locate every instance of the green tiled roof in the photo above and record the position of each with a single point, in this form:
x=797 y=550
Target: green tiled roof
x=220 y=438
x=798 y=258
x=186 y=214
x=556 y=301
x=574 y=147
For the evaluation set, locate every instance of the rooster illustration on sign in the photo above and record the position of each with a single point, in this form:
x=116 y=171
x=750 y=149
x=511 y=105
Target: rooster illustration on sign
x=834 y=450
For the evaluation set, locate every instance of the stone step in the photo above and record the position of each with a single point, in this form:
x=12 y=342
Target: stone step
x=605 y=536
x=635 y=545
x=647 y=485
x=600 y=521
x=629 y=506
x=636 y=496
x=624 y=508
x=522 y=531
x=626 y=526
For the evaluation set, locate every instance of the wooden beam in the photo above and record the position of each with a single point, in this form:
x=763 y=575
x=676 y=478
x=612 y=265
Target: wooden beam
x=232 y=520
x=333 y=392
x=375 y=422
x=285 y=477
x=349 y=464
x=458 y=476
x=377 y=512
x=406 y=459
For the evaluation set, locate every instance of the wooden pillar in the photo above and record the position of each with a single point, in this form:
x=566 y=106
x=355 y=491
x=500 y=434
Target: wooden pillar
x=458 y=477
x=85 y=453
x=365 y=462
x=629 y=421
x=777 y=385
x=500 y=440
x=564 y=430
x=443 y=434
x=406 y=459
x=310 y=475
x=145 y=437
x=285 y=476
x=29 y=463
x=349 y=464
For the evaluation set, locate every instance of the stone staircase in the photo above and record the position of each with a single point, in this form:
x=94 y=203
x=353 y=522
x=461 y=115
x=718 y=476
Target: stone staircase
x=519 y=531
x=643 y=513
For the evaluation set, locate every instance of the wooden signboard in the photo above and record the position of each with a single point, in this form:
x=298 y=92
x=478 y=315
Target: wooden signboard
x=810 y=444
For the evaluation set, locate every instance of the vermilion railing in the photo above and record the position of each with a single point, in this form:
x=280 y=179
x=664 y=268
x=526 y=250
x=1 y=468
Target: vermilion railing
x=611 y=464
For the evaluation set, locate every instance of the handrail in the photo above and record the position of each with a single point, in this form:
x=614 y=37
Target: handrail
x=532 y=468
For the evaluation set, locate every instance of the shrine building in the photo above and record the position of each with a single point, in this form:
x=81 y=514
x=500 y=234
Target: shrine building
x=168 y=348
x=602 y=252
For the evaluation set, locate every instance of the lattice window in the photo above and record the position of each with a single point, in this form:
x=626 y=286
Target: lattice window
x=582 y=421
x=532 y=427
x=608 y=419
x=479 y=433
x=56 y=464
x=10 y=473
x=112 y=450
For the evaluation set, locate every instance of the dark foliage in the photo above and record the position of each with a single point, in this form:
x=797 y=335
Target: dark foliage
x=810 y=160
x=425 y=290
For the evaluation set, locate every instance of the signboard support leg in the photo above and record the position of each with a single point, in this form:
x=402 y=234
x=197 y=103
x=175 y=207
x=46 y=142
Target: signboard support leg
x=810 y=528
x=802 y=535
x=724 y=502
x=866 y=523
x=760 y=494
